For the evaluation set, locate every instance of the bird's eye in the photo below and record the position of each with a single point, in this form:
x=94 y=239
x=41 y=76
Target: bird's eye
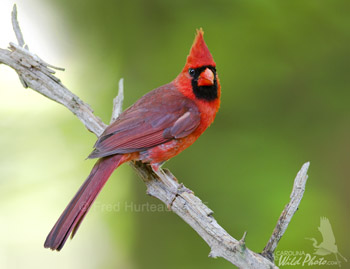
x=191 y=71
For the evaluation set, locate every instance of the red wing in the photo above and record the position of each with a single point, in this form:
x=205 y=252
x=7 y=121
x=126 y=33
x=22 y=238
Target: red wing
x=158 y=117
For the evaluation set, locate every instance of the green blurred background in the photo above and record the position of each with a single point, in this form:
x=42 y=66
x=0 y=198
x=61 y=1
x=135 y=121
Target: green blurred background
x=284 y=70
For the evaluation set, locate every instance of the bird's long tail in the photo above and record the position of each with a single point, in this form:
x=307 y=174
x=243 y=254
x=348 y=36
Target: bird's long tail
x=76 y=210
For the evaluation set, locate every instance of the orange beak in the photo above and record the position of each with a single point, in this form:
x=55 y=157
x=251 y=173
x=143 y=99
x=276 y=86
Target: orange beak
x=206 y=78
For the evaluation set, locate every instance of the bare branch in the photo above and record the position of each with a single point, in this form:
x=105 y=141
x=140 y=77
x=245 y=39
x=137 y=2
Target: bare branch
x=41 y=79
x=20 y=39
x=17 y=29
x=162 y=185
x=288 y=212
x=118 y=101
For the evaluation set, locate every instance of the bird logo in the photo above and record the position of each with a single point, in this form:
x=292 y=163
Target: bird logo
x=328 y=245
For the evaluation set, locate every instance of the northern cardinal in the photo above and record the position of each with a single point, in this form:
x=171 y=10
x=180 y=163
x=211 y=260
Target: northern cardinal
x=157 y=127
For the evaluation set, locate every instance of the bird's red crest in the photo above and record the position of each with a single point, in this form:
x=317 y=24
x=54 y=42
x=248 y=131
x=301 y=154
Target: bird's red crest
x=199 y=54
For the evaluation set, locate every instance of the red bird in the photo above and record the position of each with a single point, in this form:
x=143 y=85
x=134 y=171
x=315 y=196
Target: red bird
x=157 y=127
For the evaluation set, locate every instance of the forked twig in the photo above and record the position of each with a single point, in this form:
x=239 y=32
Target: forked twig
x=288 y=212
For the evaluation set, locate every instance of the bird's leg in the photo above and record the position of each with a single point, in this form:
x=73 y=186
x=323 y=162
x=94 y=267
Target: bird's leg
x=177 y=189
x=156 y=166
x=169 y=174
x=165 y=177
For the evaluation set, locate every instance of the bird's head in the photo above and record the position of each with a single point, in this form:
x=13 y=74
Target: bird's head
x=198 y=79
